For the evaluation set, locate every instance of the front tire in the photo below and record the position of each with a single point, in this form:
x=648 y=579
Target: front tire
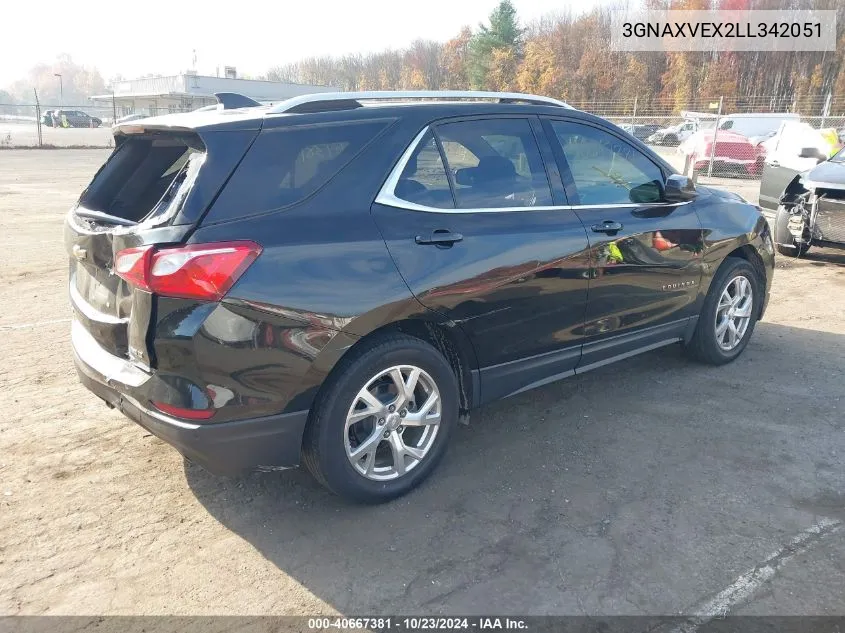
x=729 y=314
x=383 y=420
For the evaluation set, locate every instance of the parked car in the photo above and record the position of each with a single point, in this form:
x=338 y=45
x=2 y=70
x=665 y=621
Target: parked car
x=75 y=118
x=755 y=126
x=784 y=160
x=674 y=134
x=734 y=154
x=640 y=131
x=336 y=284
x=802 y=191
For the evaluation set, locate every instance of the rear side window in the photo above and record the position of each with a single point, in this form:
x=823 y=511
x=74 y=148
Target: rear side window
x=284 y=166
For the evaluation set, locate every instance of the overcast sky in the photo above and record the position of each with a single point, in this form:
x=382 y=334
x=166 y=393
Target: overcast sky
x=158 y=36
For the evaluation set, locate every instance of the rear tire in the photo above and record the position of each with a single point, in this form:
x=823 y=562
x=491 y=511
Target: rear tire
x=671 y=140
x=784 y=242
x=378 y=457
x=729 y=313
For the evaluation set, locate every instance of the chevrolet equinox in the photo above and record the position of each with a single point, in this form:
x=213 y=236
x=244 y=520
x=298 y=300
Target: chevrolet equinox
x=336 y=279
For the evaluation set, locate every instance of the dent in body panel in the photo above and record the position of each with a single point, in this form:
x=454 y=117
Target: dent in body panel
x=323 y=258
x=729 y=225
x=326 y=279
x=242 y=361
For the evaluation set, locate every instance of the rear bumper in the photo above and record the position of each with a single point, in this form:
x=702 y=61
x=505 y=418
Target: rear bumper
x=223 y=448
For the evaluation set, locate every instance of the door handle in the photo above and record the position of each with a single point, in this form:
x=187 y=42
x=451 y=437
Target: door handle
x=608 y=226
x=440 y=237
x=774 y=163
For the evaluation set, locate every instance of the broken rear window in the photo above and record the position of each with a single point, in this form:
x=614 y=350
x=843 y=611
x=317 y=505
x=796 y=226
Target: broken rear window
x=145 y=178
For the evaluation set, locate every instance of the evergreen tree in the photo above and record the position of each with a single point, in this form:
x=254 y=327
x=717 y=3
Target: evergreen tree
x=503 y=35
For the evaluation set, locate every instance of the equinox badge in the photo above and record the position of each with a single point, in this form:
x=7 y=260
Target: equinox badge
x=677 y=285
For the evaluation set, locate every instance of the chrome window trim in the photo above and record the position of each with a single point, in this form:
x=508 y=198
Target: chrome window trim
x=388 y=198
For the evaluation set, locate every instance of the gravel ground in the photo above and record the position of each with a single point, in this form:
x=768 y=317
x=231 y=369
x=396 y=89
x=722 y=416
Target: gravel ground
x=648 y=487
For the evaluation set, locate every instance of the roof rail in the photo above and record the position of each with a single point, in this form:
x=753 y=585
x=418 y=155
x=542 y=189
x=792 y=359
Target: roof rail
x=326 y=101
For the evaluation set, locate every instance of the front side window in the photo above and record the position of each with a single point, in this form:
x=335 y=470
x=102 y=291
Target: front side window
x=495 y=163
x=606 y=169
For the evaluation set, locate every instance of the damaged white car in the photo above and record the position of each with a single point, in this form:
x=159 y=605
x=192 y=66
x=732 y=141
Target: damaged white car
x=812 y=209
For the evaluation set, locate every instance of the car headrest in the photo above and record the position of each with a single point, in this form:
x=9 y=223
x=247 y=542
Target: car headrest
x=494 y=168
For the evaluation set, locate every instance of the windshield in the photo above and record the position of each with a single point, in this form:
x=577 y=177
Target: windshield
x=838 y=157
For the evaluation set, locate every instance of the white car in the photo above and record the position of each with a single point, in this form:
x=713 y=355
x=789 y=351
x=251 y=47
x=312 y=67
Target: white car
x=673 y=135
x=131 y=117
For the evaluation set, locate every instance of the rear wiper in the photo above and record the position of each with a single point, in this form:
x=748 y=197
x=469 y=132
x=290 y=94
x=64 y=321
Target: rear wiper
x=99 y=216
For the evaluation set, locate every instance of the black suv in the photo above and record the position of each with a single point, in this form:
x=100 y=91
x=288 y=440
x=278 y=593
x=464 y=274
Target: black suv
x=337 y=279
x=69 y=118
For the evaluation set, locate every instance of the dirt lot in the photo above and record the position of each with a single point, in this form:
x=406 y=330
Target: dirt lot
x=649 y=487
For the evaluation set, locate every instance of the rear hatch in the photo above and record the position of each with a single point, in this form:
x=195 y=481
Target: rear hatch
x=153 y=190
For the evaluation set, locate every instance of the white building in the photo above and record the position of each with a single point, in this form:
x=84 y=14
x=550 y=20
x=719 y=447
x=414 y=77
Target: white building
x=185 y=92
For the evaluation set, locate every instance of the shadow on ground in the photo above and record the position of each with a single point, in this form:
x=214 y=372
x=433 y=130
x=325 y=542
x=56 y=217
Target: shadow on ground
x=641 y=488
x=823 y=257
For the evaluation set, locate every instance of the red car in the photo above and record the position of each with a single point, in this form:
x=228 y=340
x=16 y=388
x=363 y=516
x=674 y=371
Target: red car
x=735 y=154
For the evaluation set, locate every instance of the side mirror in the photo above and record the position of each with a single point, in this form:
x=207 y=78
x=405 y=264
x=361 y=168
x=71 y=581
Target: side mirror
x=648 y=192
x=679 y=189
x=811 y=152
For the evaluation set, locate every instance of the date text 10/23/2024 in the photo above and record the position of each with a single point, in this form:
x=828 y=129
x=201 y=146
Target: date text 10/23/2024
x=421 y=623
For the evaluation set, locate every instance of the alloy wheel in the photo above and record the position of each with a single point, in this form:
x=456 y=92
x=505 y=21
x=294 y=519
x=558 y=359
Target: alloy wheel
x=392 y=422
x=733 y=312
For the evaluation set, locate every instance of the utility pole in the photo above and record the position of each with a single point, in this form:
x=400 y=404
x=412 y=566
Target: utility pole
x=38 y=118
x=634 y=116
x=61 y=90
x=715 y=134
x=826 y=108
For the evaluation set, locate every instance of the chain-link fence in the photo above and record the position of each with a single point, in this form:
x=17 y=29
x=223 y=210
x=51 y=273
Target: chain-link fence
x=729 y=136
x=720 y=137
x=54 y=125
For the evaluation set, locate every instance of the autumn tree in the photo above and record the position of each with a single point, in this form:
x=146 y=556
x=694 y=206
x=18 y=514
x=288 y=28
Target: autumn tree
x=721 y=79
x=453 y=60
x=635 y=84
x=77 y=83
x=567 y=56
x=421 y=69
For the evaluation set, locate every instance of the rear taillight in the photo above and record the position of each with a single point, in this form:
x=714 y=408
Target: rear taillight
x=197 y=271
x=183 y=412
